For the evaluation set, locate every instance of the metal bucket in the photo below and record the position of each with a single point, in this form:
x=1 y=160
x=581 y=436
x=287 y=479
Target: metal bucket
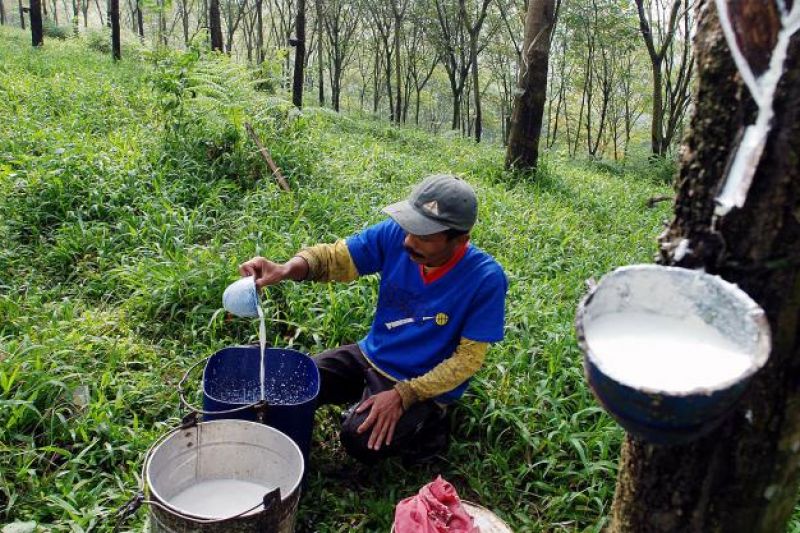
x=224 y=451
x=231 y=383
x=652 y=413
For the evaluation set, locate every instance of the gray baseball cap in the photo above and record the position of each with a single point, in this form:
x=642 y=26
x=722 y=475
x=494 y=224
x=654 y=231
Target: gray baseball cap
x=439 y=203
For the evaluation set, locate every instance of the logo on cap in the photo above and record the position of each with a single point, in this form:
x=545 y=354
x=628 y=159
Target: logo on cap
x=432 y=207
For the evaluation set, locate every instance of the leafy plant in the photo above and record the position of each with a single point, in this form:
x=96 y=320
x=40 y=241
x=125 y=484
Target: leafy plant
x=99 y=40
x=54 y=31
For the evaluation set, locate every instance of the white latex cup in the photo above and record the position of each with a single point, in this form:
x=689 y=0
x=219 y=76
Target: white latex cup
x=241 y=297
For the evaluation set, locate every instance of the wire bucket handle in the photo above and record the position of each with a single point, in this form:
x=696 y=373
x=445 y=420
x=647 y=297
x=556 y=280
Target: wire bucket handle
x=260 y=406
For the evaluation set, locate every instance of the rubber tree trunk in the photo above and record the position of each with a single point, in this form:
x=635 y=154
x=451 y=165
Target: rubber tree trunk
x=476 y=88
x=75 y=18
x=2 y=13
x=321 y=81
x=21 y=15
x=398 y=60
x=140 y=21
x=113 y=12
x=526 y=119
x=37 y=34
x=743 y=476
x=299 y=54
x=215 y=25
x=260 y=31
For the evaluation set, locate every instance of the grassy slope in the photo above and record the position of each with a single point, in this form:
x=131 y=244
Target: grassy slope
x=117 y=249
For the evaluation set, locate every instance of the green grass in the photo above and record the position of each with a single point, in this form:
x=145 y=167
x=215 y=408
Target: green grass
x=128 y=195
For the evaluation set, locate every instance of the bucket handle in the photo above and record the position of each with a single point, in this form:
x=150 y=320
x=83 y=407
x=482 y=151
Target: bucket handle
x=132 y=506
x=259 y=406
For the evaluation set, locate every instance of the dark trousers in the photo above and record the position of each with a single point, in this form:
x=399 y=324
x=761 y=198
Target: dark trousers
x=346 y=377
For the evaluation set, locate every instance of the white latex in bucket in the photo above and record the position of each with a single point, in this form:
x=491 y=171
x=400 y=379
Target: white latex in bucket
x=224 y=468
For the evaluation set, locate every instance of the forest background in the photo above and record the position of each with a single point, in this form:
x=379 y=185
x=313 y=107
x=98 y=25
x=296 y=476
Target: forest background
x=446 y=66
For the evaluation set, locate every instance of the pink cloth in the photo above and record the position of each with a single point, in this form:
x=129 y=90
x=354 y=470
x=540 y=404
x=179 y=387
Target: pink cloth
x=435 y=509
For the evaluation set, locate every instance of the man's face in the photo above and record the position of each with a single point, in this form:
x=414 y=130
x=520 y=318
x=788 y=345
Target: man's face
x=432 y=250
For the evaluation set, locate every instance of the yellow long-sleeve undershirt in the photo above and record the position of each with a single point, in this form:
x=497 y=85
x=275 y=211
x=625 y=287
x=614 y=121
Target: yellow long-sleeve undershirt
x=332 y=262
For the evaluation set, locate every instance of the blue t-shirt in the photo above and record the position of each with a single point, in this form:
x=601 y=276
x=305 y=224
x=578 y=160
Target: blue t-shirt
x=419 y=325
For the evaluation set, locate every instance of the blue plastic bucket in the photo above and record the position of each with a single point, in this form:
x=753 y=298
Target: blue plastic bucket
x=231 y=381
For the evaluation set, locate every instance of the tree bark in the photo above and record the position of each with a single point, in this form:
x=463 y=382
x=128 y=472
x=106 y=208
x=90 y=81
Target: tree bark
x=113 y=15
x=35 y=13
x=99 y=12
x=215 y=25
x=526 y=119
x=2 y=13
x=140 y=21
x=260 y=31
x=476 y=90
x=21 y=15
x=320 y=66
x=299 y=54
x=656 y=61
x=744 y=475
x=75 y=17
x=398 y=12
x=185 y=21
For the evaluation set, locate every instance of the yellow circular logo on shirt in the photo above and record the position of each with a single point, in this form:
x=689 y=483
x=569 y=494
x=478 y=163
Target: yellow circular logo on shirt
x=441 y=319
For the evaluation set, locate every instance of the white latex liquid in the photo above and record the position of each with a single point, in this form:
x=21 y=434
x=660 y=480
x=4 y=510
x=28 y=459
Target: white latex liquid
x=219 y=498
x=262 y=341
x=663 y=353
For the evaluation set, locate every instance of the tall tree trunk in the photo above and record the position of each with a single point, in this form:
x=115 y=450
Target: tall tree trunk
x=35 y=12
x=299 y=54
x=416 y=108
x=75 y=17
x=321 y=79
x=162 y=23
x=473 y=52
x=336 y=84
x=376 y=93
x=398 y=26
x=2 y=13
x=185 y=21
x=389 y=82
x=215 y=25
x=99 y=12
x=456 y=111
x=526 y=119
x=140 y=20
x=260 y=31
x=21 y=15
x=113 y=15
x=744 y=475
x=657 y=125
x=657 y=54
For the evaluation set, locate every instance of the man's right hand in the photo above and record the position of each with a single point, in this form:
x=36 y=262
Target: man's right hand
x=265 y=271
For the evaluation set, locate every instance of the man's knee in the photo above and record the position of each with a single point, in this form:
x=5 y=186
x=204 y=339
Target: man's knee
x=357 y=444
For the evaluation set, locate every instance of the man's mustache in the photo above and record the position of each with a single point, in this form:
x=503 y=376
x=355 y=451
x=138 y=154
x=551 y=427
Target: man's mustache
x=413 y=252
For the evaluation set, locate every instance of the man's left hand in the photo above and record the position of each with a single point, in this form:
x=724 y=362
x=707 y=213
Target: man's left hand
x=386 y=408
